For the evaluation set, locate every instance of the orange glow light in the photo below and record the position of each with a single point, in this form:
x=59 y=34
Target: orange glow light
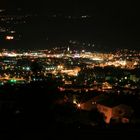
x=9 y=37
x=79 y=105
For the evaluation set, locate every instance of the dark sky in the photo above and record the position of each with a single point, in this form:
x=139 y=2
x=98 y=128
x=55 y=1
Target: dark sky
x=115 y=20
x=120 y=9
x=92 y=5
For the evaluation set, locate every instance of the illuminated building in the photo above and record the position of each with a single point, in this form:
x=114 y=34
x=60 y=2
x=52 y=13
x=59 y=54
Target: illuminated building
x=119 y=112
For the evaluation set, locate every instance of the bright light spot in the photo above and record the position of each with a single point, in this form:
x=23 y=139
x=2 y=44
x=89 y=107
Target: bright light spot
x=28 y=68
x=13 y=81
x=9 y=37
x=74 y=101
x=79 y=105
x=83 y=51
x=12 y=32
x=60 y=67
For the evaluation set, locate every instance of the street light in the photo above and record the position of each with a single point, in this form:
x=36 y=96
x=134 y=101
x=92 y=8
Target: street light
x=78 y=105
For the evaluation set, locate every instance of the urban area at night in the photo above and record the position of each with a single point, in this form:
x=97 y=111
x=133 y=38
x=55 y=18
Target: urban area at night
x=69 y=69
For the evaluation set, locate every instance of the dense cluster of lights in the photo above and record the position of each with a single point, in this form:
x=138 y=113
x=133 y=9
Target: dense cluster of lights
x=68 y=65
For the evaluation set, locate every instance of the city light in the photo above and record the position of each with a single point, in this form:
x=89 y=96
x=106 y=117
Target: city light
x=9 y=37
x=70 y=66
x=79 y=105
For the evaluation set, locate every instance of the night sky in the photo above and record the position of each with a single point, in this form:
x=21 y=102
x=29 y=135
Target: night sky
x=115 y=22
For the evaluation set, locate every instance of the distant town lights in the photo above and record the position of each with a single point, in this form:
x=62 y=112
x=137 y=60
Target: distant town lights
x=9 y=37
x=78 y=105
x=60 y=67
x=74 y=101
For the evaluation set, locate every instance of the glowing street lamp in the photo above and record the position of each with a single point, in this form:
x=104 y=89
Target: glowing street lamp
x=78 y=105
